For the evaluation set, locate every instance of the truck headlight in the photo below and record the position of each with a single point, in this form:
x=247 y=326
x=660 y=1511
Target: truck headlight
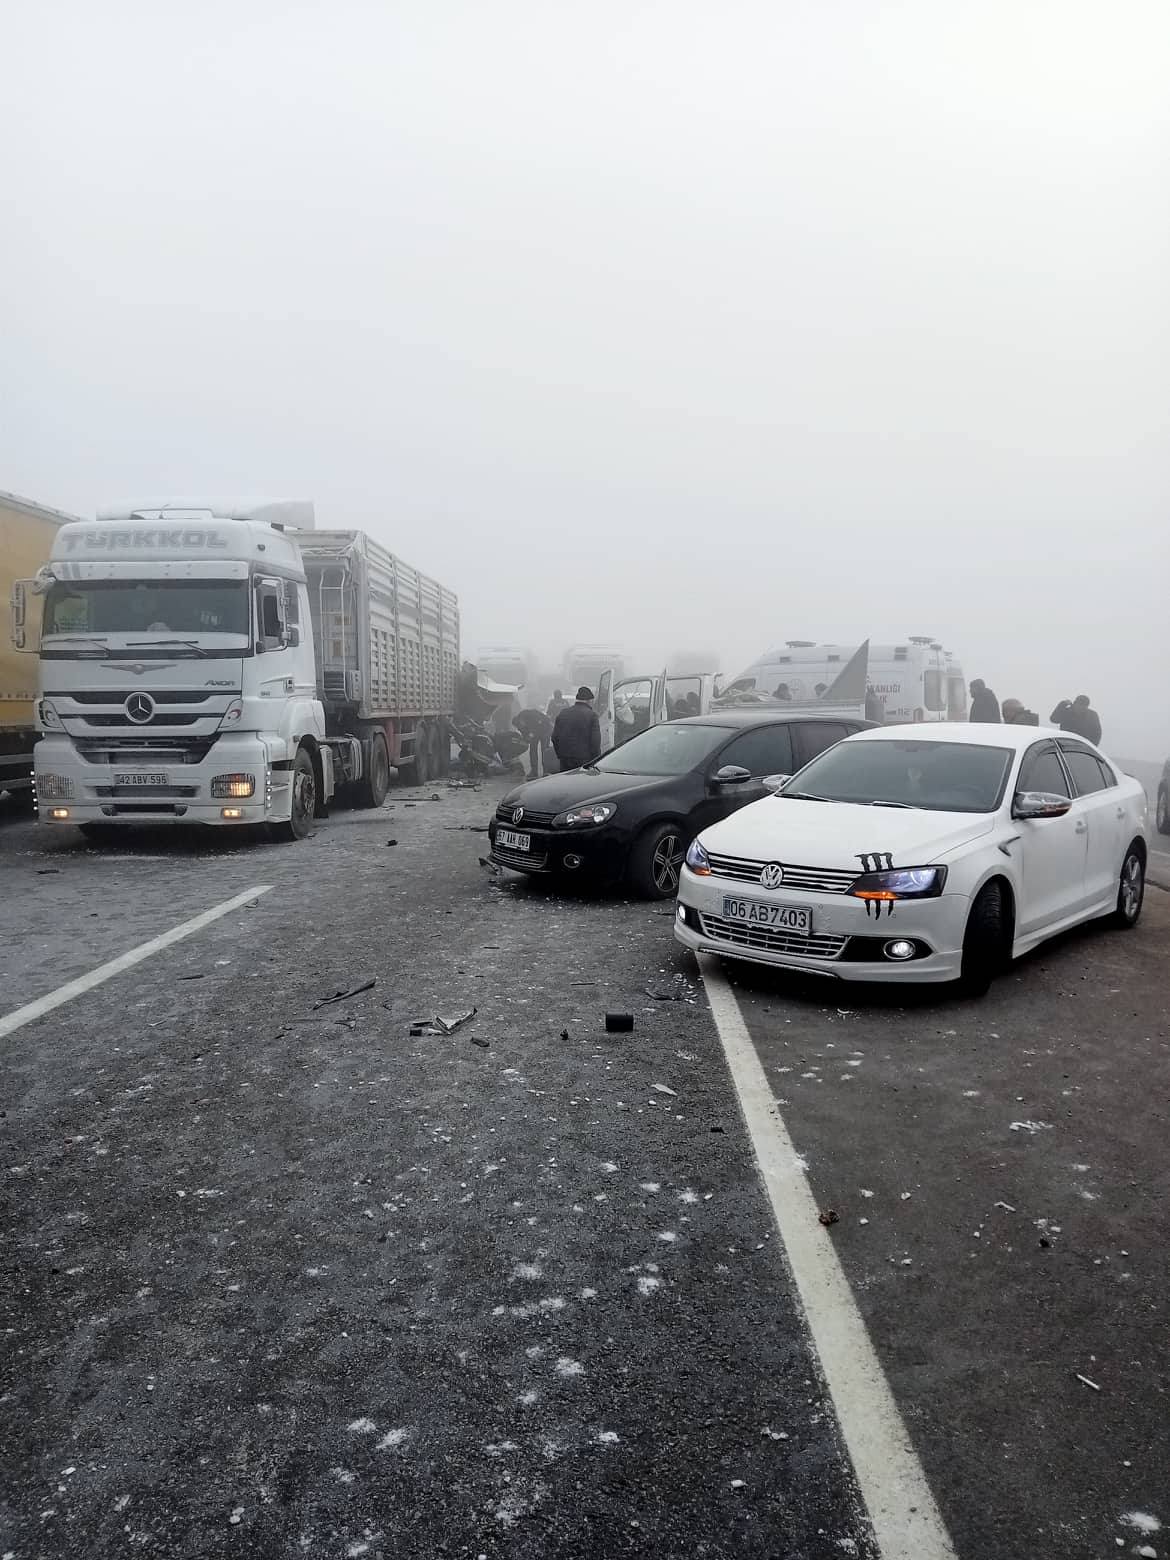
x=54 y=788
x=233 y=785
x=49 y=718
x=901 y=883
x=591 y=812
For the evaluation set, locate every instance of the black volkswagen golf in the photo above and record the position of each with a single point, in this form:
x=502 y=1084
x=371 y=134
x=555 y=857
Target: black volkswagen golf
x=631 y=815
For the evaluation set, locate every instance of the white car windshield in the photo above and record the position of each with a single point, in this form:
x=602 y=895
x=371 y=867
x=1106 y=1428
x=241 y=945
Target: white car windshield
x=663 y=750
x=937 y=776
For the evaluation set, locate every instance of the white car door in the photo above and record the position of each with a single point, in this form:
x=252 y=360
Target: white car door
x=603 y=704
x=1053 y=851
x=1110 y=828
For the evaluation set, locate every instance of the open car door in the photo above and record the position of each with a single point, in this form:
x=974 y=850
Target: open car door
x=603 y=704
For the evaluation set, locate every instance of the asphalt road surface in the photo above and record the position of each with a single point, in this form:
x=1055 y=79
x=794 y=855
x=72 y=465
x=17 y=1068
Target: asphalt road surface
x=281 y=1279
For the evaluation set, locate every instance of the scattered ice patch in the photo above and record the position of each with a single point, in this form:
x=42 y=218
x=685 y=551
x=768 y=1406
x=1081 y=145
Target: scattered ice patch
x=865 y=1192
x=668 y=1237
x=500 y=1448
x=688 y=1196
x=600 y=1197
x=661 y=1088
x=774 y=1435
x=648 y=1283
x=536 y=1350
x=528 y=1398
x=1142 y=1521
x=362 y=1426
x=738 y=1484
x=651 y=1186
x=569 y=1368
x=395 y=1438
x=527 y=1271
x=119 y=1505
x=608 y=1166
x=237 y=1516
x=1082 y=1169
x=970 y=1094
x=589 y=1294
x=608 y=1438
x=1031 y=1127
x=343 y=1475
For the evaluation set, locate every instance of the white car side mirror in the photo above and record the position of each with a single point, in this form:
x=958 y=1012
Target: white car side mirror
x=774 y=783
x=1040 y=804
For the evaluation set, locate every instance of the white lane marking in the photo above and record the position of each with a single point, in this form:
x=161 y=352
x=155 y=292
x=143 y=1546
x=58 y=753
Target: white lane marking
x=83 y=983
x=906 y=1521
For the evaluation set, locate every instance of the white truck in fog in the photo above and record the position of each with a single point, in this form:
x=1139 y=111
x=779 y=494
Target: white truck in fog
x=223 y=662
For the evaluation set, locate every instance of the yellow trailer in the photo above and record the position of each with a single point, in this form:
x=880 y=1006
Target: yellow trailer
x=26 y=537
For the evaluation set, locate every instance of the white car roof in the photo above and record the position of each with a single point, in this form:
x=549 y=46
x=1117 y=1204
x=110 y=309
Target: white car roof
x=975 y=734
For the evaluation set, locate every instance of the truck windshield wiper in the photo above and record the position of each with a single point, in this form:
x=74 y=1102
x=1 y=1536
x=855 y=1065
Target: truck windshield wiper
x=99 y=645
x=191 y=644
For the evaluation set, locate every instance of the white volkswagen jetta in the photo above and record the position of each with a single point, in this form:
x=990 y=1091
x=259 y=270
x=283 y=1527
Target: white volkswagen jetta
x=920 y=854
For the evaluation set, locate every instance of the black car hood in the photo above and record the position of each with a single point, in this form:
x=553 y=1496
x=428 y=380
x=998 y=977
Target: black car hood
x=555 y=793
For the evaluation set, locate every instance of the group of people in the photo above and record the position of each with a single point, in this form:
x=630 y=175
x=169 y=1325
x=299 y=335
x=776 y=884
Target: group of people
x=1076 y=716
x=562 y=735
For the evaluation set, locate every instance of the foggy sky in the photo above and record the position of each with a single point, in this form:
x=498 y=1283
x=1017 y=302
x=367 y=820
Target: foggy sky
x=675 y=324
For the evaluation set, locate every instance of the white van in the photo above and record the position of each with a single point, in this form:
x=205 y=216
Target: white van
x=914 y=681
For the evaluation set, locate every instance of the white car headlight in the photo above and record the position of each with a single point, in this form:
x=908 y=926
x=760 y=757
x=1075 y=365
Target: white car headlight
x=698 y=860
x=900 y=883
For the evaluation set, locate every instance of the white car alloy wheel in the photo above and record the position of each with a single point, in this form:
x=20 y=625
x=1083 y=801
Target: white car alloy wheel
x=1131 y=890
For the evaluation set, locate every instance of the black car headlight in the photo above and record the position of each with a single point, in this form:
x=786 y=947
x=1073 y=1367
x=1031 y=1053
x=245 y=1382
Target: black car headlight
x=589 y=812
x=900 y=883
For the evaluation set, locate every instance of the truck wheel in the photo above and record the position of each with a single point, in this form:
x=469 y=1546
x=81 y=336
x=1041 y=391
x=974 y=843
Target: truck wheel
x=376 y=781
x=1163 y=810
x=655 y=862
x=303 y=783
x=440 y=750
x=422 y=753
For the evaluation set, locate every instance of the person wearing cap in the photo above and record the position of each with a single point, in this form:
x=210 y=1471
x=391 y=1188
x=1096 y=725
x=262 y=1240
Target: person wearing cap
x=577 y=733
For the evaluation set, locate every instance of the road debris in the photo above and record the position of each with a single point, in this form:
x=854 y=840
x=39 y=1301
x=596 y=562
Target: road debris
x=439 y=1025
x=829 y=1216
x=618 y=1023
x=1087 y=1382
x=661 y=1088
x=48 y=871
x=466 y=828
x=564 y=1034
x=1031 y=1127
x=391 y=842
x=1007 y=1207
x=199 y=975
x=484 y=1045
x=343 y=996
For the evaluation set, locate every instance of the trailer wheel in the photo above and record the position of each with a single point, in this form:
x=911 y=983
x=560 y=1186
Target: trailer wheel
x=303 y=782
x=422 y=755
x=376 y=780
x=440 y=750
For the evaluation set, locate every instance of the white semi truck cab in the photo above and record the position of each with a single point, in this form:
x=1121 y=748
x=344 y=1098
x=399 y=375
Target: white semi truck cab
x=177 y=671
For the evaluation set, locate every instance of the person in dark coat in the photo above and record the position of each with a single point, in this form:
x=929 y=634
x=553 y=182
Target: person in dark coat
x=984 y=704
x=1079 y=718
x=1016 y=714
x=577 y=733
x=536 y=729
x=556 y=704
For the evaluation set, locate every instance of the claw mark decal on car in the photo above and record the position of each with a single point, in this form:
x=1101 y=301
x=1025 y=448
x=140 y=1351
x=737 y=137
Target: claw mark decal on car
x=877 y=861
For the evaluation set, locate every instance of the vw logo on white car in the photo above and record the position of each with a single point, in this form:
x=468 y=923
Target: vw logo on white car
x=139 y=708
x=773 y=875
x=518 y=815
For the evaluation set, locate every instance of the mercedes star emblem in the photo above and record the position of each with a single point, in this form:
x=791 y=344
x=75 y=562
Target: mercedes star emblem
x=139 y=708
x=773 y=875
x=517 y=815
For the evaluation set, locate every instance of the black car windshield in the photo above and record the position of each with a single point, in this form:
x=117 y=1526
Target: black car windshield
x=147 y=607
x=937 y=776
x=663 y=750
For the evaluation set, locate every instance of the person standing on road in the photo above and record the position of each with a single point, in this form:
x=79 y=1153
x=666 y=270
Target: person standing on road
x=536 y=729
x=984 y=704
x=556 y=704
x=1079 y=718
x=1016 y=714
x=577 y=733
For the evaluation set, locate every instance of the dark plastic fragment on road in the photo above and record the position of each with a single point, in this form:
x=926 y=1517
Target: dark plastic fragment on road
x=665 y=996
x=483 y=1044
x=564 y=1034
x=718 y=1129
x=48 y=871
x=829 y=1216
x=618 y=1023
x=392 y=842
x=440 y=1026
x=342 y=996
x=198 y=976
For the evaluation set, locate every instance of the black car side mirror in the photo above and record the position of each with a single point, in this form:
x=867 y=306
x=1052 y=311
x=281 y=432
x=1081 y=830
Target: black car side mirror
x=1039 y=804
x=731 y=774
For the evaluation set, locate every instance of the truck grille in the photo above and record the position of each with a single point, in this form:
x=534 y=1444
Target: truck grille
x=816 y=880
x=117 y=749
x=768 y=939
x=122 y=722
x=159 y=695
x=144 y=793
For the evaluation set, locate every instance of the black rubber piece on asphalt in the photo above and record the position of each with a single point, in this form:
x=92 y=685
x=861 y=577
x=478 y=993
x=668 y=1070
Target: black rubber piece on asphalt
x=618 y=1023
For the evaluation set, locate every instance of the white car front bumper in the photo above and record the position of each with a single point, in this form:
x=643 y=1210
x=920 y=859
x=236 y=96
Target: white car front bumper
x=848 y=938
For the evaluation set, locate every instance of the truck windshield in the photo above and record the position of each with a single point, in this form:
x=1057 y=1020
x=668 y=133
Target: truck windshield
x=147 y=607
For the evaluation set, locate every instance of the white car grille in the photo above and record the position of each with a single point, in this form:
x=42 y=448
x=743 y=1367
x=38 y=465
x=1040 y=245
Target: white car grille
x=768 y=939
x=816 y=880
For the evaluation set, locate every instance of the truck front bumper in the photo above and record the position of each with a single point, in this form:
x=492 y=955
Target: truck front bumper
x=70 y=789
